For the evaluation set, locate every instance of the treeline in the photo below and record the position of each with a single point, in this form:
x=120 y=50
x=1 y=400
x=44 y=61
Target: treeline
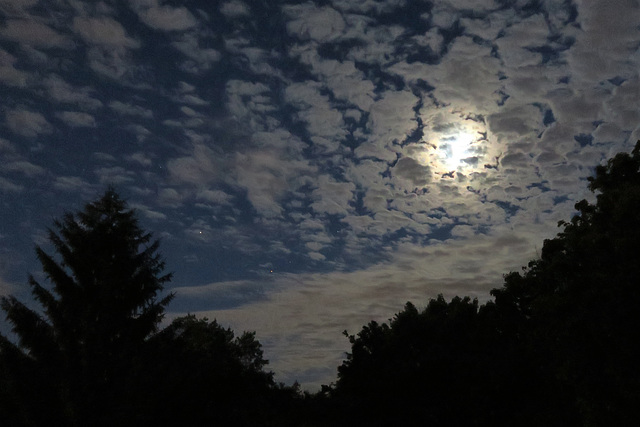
x=556 y=346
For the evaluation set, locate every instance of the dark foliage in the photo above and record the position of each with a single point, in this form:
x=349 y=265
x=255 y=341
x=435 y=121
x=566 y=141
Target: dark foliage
x=205 y=375
x=581 y=298
x=75 y=358
x=451 y=364
x=557 y=346
x=92 y=354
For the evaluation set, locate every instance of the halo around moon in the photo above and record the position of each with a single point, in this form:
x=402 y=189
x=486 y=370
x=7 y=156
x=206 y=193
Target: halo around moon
x=454 y=149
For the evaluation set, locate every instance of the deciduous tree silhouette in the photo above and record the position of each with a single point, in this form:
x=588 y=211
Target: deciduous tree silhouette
x=581 y=297
x=211 y=376
x=557 y=346
x=451 y=364
x=75 y=358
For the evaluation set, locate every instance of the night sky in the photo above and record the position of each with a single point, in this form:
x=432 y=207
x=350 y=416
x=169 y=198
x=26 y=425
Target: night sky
x=312 y=166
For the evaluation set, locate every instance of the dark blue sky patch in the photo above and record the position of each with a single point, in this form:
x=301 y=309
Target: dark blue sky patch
x=549 y=54
x=449 y=35
x=423 y=85
x=421 y=54
x=441 y=233
x=572 y=8
x=548 y=118
x=339 y=50
x=503 y=98
x=583 y=139
x=617 y=80
x=509 y=208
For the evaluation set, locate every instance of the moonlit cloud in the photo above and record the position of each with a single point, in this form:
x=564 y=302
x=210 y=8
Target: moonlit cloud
x=6 y=288
x=63 y=92
x=25 y=168
x=312 y=166
x=14 y=8
x=71 y=183
x=234 y=9
x=201 y=58
x=165 y=18
x=33 y=33
x=103 y=31
x=9 y=75
x=27 y=123
x=130 y=110
x=77 y=119
x=317 y=24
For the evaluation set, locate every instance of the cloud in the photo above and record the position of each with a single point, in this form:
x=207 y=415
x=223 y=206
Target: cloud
x=27 y=123
x=201 y=59
x=517 y=47
x=299 y=317
x=33 y=33
x=315 y=109
x=139 y=131
x=326 y=149
x=418 y=174
x=6 y=146
x=621 y=106
x=217 y=197
x=392 y=117
x=9 y=75
x=164 y=18
x=516 y=122
x=318 y=24
x=609 y=38
x=24 y=167
x=332 y=197
x=247 y=103
x=108 y=48
x=9 y=186
x=115 y=175
x=203 y=167
x=343 y=78
x=76 y=119
x=234 y=9
x=468 y=76
x=268 y=176
x=61 y=91
x=148 y=212
x=103 y=31
x=130 y=109
x=71 y=184
x=15 y=8
x=6 y=288
x=115 y=64
x=140 y=158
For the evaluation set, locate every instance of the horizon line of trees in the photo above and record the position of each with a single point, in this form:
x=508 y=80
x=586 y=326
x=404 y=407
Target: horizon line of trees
x=556 y=346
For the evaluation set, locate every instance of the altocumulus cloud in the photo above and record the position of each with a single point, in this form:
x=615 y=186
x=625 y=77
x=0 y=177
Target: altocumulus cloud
x=313 y=166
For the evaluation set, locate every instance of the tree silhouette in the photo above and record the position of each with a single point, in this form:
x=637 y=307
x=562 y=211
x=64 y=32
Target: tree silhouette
x=581 y=297
x=214 y=377
x=557 y=346
x=454 y=363
x=74 y=360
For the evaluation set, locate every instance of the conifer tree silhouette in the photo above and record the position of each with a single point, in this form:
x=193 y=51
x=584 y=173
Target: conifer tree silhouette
x=74 y=358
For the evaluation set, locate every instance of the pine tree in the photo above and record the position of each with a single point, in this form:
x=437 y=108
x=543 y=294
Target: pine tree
x=74 y=360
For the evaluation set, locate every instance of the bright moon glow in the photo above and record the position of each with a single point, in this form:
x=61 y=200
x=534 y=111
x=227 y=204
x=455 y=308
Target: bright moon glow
x=455 y=149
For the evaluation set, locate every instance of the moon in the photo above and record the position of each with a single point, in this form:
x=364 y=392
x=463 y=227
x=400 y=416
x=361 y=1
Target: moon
x=454 y=148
